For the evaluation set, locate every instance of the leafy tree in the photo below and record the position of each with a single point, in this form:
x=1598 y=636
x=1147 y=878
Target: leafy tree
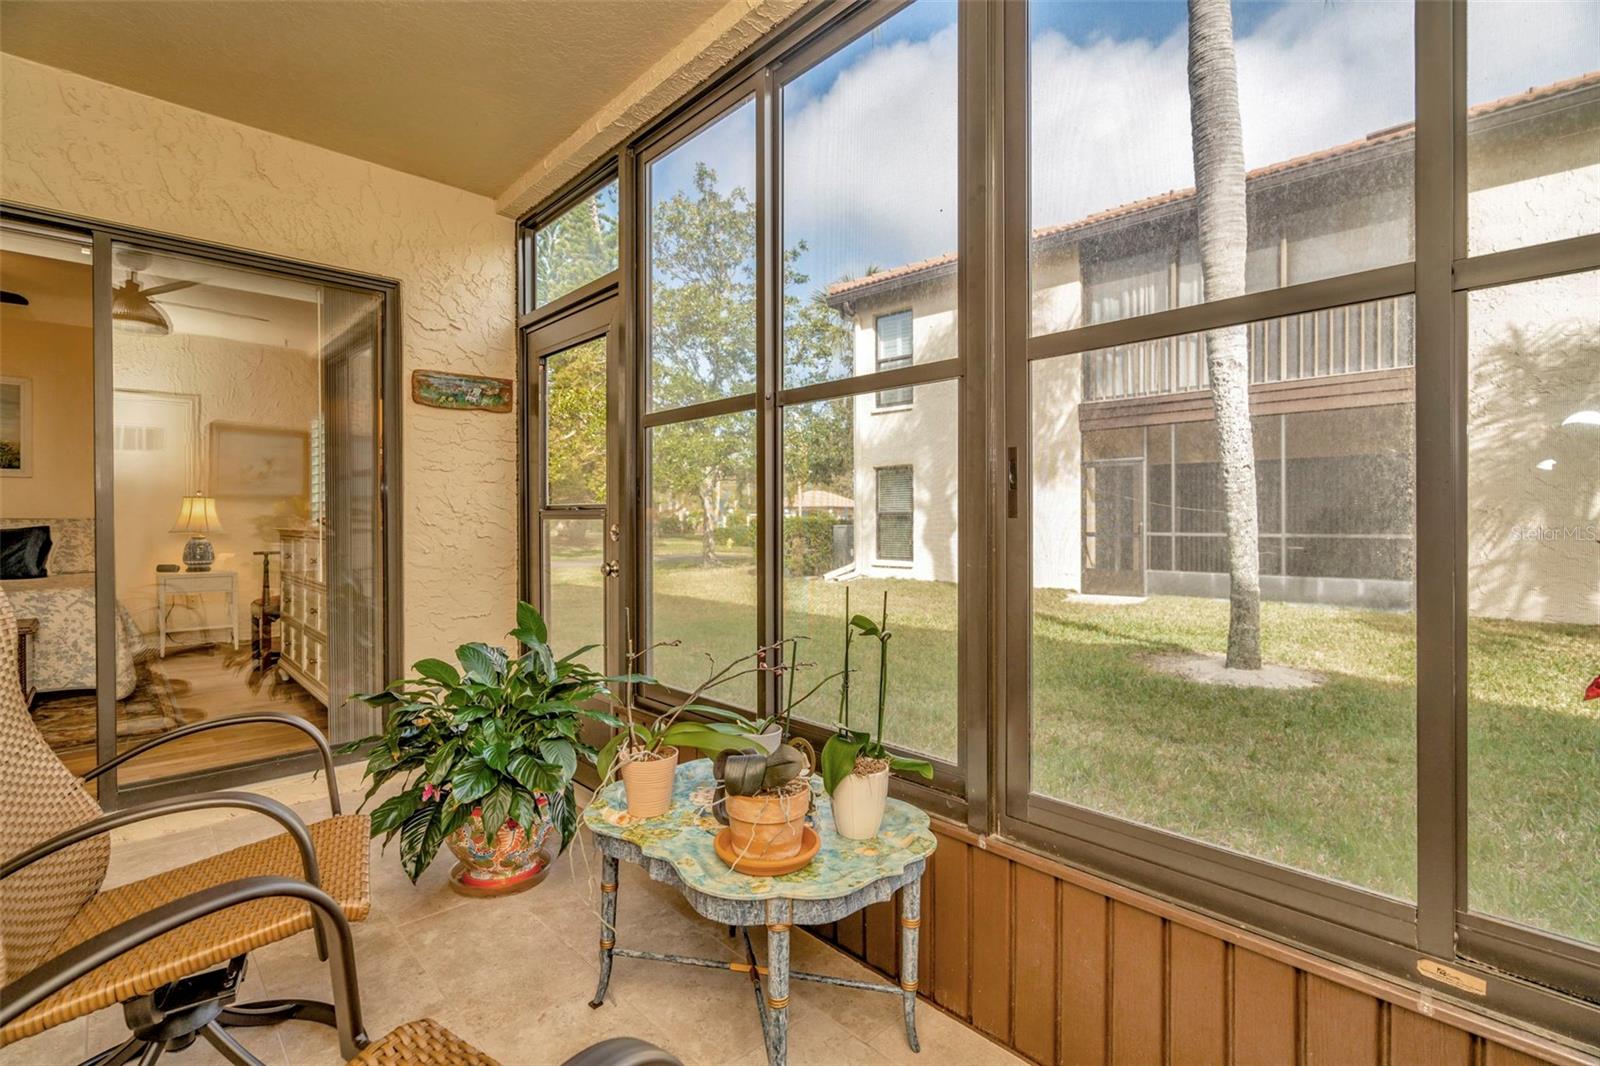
x=577 y=247
x=575 y=442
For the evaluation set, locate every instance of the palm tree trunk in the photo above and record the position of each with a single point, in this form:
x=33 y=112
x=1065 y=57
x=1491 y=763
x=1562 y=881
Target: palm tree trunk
x=1219 y=179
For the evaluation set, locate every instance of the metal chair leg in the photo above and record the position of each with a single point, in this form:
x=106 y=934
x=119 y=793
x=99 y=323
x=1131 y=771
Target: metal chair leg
x=117 y=1056
x=227 y=1046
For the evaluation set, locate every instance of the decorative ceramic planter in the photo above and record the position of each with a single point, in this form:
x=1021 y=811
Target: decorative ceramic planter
x=649 y=783
x=858 y=803
x=511 y=861
x=768 y=826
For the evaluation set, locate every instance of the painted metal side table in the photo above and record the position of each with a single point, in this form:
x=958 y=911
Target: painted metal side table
x=677 y=848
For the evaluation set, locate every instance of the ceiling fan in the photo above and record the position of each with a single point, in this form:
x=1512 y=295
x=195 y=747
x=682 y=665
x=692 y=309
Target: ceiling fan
x=134 y=309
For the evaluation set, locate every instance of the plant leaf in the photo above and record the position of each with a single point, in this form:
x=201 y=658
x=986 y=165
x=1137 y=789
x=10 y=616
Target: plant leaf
x=393 y=812
x=472 y=780
x=415 y=834
x=911 y=766
x=528 y=618
x=496 y=807
x=838 y=758
x=608 y=755
x=865 y=625
x=482 y=662
x=562 y=753
x=438 y=670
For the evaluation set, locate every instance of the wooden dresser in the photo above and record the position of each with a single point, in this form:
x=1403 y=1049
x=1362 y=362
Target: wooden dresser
x=304 y=596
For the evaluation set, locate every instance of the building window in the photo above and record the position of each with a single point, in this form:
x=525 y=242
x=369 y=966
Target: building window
x=894 y=351
x=895 y=508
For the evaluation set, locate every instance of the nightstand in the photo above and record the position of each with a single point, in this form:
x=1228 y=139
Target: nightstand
x=185 y=583
x=27 y=638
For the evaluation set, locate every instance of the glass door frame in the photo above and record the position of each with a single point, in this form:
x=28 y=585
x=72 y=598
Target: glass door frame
x=592 y=319
x=102 y=236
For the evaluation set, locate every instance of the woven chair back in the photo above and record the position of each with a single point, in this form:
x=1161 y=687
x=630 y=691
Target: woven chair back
x=39 y=797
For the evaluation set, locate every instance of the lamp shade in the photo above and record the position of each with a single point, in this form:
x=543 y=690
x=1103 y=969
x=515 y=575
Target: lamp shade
x=197 y=514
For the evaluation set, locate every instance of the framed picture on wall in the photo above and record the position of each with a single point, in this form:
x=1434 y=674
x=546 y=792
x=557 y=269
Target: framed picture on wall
x=16 y=427
x=259 y=461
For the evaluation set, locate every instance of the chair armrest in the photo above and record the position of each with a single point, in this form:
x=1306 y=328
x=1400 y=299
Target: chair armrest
x=161 y=808
x=38 y=984
x=254 y=718
x=623 y=1051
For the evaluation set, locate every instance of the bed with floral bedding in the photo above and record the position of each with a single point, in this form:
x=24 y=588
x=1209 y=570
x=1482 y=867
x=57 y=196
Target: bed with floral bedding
x=63 y=603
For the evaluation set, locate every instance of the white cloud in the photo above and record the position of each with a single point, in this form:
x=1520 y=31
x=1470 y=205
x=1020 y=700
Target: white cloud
x=870 y=162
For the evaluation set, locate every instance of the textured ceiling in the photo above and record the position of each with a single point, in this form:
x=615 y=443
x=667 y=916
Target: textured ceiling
x=466 y=93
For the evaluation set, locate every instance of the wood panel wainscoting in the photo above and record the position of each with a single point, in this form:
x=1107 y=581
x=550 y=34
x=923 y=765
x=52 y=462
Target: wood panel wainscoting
x=1064 y=967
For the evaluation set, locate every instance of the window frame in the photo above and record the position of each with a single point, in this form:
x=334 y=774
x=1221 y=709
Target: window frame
x=882 y=364
x=1521 y=969
x=879 y=514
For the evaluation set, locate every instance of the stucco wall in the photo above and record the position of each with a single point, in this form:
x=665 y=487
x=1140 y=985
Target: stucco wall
x=58 y=360
x=88 y=148
x=922 y=436
x=233 y=381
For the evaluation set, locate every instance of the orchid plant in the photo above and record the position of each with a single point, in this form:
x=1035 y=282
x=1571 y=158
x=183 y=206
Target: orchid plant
x=851 y=751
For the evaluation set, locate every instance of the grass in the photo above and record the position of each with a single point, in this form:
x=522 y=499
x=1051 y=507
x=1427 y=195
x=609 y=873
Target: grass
x=1321 y=779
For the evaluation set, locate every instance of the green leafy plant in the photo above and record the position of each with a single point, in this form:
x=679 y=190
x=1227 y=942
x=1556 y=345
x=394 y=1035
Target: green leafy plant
x=496 y=735
x=848 y=748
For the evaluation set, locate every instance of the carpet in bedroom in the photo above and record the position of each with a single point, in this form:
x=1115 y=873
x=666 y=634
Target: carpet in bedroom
x=67 y=719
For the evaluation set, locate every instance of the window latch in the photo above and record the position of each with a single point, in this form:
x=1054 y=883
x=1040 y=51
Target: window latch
x=1011 y=483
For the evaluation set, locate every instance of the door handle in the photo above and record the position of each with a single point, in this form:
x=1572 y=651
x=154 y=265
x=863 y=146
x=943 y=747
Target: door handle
x=609 y=569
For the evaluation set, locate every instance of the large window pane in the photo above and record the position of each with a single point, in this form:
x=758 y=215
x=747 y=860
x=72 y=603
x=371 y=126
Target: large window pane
x=576 y=610
x=701 y=528
x=1327 y=187
x=577 y=247
x=575 y=424
x=1533 y=593
x=701 y=254
x=1308 y=761
x=869 y=186
x=1533 y=125
x=841 y=460
x=47 y=503
x=246 y=449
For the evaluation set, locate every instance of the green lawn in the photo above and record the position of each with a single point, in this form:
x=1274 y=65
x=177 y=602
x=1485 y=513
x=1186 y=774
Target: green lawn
x=1322 y=779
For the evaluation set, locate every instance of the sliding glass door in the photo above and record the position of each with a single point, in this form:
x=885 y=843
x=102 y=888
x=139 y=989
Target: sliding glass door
x=244 y=473
x=195 y=460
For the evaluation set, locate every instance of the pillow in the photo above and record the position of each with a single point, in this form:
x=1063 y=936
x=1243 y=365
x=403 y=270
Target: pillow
x=23 y=552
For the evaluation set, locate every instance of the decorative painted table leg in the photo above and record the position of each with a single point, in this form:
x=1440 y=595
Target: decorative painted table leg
x=608 y=925
x=911 y=925
x=777 y=1029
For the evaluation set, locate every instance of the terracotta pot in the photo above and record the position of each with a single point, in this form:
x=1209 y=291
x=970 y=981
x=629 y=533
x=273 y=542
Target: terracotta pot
x=768 y=826
x=508 y=862
x=858 y=803
x=649 y=783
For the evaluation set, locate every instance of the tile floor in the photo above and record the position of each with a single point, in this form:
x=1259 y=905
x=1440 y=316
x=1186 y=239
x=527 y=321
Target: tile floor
x=515 y=975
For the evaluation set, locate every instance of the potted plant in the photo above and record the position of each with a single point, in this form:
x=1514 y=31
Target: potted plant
x=765 y=796
x=645 y=753
x=487 y=750
x=856 y=765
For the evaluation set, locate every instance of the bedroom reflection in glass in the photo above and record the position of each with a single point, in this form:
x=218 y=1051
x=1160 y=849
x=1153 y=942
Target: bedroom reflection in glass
x=247 y=526
x=47 y=546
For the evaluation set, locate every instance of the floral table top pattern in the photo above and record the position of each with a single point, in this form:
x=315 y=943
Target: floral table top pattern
x=685 y=836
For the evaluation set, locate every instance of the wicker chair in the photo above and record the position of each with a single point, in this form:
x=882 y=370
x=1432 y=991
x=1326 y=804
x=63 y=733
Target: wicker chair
x=176 y=980
x=418 y=1043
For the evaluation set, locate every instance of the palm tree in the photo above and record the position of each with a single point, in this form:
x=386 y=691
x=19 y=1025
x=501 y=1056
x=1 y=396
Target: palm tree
x=1218 y=139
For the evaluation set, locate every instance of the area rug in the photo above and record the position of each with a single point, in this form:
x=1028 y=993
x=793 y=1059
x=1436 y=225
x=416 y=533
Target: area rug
x=67 y=719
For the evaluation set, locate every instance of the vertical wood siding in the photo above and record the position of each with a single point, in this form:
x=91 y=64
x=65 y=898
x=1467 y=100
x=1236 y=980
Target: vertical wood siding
x=1037 y=957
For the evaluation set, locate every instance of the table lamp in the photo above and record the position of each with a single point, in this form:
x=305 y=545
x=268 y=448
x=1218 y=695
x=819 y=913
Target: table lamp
x=197 y=516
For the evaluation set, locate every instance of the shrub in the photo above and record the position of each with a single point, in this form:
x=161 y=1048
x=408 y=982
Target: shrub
x=808 y=543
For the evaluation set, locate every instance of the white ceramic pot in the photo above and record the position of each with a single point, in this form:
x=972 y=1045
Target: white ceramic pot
x=858 y=804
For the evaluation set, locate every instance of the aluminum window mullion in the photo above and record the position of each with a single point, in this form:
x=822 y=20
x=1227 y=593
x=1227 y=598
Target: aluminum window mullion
x=879 y=381
x=1361 y=287
x=1572 y=255
x=1440 y=205
x=769 y=326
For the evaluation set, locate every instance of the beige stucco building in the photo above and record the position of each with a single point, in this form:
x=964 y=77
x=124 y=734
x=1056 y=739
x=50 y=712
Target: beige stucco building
x=1126 y=488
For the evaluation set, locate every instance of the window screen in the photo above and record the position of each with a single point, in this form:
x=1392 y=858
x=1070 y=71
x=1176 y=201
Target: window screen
x=894 y=351
x=894 y=513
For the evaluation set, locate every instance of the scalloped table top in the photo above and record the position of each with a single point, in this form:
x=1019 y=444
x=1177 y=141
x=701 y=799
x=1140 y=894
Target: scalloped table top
x=685 y=837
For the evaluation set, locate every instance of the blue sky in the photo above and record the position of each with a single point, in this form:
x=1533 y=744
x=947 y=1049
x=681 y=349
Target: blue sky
x=869 y=134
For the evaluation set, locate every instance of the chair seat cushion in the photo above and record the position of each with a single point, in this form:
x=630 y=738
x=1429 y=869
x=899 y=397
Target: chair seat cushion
x=342 y=855
x=422 y=1043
